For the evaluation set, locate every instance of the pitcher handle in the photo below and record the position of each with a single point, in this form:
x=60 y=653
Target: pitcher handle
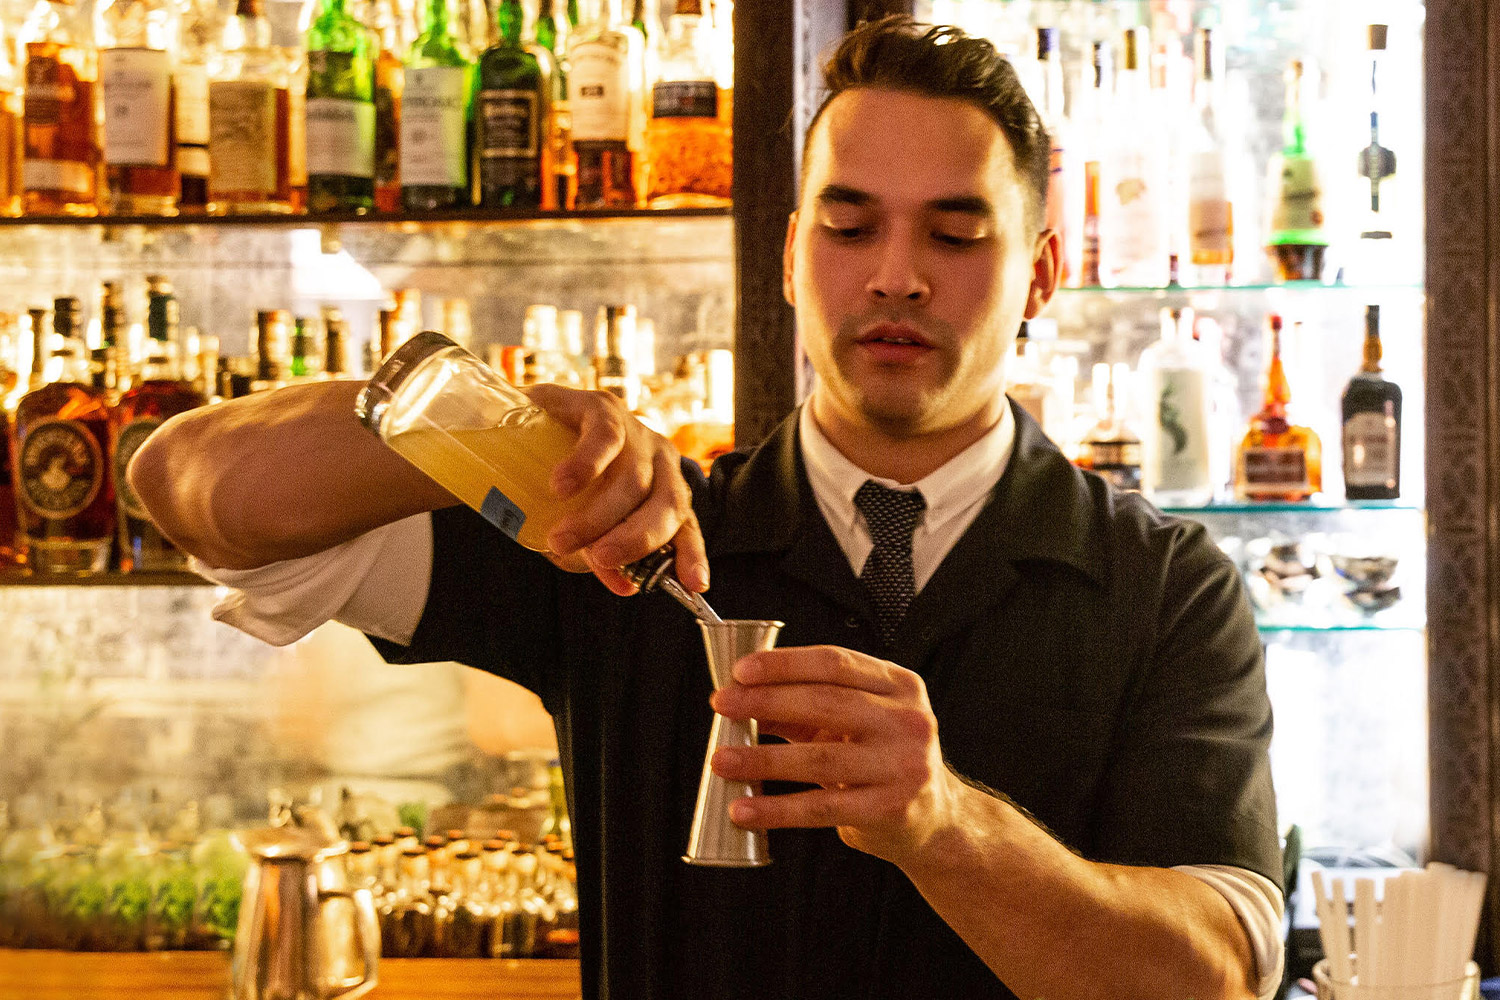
x=367 y=932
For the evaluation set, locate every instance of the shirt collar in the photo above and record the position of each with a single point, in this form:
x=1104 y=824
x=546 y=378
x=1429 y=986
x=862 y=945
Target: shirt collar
x=954 y=487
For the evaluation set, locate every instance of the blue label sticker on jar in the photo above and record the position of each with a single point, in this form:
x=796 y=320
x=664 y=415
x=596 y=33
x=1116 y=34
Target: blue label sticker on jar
x=499 y=511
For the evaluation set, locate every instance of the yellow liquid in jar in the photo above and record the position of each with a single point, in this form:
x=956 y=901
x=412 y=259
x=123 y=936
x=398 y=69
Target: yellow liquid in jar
x=516 y=458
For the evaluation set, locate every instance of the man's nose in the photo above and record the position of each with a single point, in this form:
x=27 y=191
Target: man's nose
x=899 y=273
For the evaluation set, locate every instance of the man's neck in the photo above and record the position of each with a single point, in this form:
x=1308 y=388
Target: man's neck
x=901 y=458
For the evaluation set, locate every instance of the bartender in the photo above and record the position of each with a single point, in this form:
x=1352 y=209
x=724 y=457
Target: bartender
x=1023 y=716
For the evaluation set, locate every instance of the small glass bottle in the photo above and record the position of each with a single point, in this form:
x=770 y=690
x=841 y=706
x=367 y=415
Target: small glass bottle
x=407 y=913
x=1277 y=459
x=1111 y=448
x=160 y=393
x=1210 y=212
x=560 y=164
x=249 y=118
x=64 y=489
x=614 y=349
x=1298 y=241
x=273 y=349
x=1177 y=468
x=137 y=48
x=606 y=75
x=61 y=155
x=390 y=82
x=510 y=121
x=436 y=112
x=340 y=112
x=462 y=926
x=10 y=126
x=1132 y=178
x=688 y=141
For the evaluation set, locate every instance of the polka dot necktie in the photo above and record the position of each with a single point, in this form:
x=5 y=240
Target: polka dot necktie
x=887 y=576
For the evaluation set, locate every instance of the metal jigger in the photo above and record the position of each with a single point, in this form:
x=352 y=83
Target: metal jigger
x=715 y=840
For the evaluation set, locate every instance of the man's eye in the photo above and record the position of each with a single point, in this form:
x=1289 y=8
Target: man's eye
x=845 y=232
x=955 y=240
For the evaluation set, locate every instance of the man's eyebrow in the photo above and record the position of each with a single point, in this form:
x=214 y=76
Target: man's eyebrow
x=841 y=195
x=966 y=204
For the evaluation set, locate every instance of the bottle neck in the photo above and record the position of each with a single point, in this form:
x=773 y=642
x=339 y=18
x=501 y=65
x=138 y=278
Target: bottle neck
x=510 y=19
x=436 y=18
x=1278 y=390
x=1372 y=353
x=1295 y=130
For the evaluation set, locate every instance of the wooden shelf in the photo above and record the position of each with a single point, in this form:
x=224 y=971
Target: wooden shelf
x=289 y=221
x=202 y=975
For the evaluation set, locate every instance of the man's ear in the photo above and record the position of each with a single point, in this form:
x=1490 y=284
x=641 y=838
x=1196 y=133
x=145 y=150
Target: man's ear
x=1046 y=269
x=788 y=290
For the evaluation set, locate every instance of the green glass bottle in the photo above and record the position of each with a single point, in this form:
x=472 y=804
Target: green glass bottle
x=509 y=122
x=340 y=112
x=437 y=117
x=1298 y=240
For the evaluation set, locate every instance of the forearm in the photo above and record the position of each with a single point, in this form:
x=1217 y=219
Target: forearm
x=1051 y=924
x=274 y=476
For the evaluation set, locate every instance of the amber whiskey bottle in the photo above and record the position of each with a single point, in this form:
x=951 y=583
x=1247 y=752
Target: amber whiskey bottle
x=249 y=115
x=1277 y=459
x=160 y=393
x=137 y=39
x=64 y=487
x=60 y=173
x=688 y=140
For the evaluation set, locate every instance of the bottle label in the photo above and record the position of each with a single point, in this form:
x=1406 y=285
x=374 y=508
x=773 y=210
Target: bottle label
x=685 y=99
x=242 y=136
x=56 y=97
x=1119 y=462
x=62 y=468
x=1284 y=469
x=192 y=161
x=1131 y=217
x=137 y=105
x=502 y=513
x=340 y=137
x=433 y=129
x=57 y=175
x=599 y=93
x=132 y=436
x=1300 y=204
x=1370 y=449
x=192 y=105
x=1210 y=223
x=1180 y=460
x=296 y=149
x=508 y=124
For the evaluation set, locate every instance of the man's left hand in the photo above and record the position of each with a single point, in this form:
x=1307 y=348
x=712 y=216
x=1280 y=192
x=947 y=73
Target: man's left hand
x=861 y=728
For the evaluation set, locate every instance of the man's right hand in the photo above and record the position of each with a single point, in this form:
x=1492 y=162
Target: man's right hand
x=640 y=503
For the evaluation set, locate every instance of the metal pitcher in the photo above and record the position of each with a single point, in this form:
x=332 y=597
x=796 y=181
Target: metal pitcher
x=303 y=933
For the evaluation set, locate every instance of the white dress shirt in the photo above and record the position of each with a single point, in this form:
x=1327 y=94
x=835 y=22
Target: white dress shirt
x=378 y=583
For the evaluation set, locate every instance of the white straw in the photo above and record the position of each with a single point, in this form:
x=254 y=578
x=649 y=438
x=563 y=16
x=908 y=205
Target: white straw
x=1338 y=920
x=1366 y=934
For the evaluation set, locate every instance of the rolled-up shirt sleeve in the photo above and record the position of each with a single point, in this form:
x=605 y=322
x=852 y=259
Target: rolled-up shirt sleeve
x=376 y=583
x=1259 y=906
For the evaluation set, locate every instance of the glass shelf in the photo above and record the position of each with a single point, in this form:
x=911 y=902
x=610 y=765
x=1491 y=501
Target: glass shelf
x=1268 y=628
x=1297 y=287
x=1288 y=507
x=304 y=221
x=111 y=579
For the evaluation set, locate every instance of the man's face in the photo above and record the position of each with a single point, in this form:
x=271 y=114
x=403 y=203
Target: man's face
x=911 y=262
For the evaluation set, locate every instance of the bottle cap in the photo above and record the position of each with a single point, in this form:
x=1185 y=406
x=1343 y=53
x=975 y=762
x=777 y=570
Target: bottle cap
x=1046 y=42
x=1137 y=48
x=1378 y=34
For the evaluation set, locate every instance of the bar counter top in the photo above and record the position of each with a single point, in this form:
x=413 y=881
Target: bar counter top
x=202 y=975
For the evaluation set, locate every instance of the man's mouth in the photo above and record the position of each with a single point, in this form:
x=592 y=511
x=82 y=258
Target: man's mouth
x=898 y=334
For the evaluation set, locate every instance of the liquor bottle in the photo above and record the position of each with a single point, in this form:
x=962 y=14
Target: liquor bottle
x=199 y=30
x=296 y=105
x=461 y=921
x=559 y=165
x=390 y=80
x=1093 y=118
x=1298 y=242
x=1111 y=447
x=614 y=347
x=273 y=346
x=1277 y=459
x=335 y=344
x=1371 y=408
x=105 y=359
x=160 y=393
x=60 y=147
x=406 y=914
x=340 y=112
x=1177 y=395
x=11 y=550
x=137 y=40
x=64 y=490
x=688 y=141
x=510 y=122
x=606 y=67
x=10 y=127
x=1053 y=110
x=304 y=364
x=249 y=115
x=1132 y=178
x=1377 y=165
x=436 y=110
x=1210 y=212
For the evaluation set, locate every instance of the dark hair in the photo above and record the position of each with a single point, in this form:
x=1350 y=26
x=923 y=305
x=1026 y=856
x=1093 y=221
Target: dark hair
x=897 y=53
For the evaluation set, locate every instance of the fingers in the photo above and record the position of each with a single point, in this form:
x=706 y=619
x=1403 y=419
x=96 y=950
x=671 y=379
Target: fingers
x=865 y=806
x=831 y=765
x=647 y=527
x=829 y=707
x=827 y=665
x=601 y=422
